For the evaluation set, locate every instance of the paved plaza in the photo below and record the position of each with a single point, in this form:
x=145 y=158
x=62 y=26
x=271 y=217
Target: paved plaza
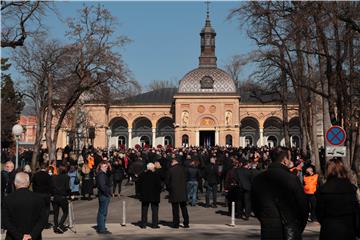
x=204 y=222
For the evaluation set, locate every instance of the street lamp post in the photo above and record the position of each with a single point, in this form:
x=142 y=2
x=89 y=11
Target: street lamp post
x=17 y=130
x=108 y=133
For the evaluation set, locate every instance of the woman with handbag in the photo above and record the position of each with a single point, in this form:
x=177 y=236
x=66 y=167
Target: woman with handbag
x=74 y=182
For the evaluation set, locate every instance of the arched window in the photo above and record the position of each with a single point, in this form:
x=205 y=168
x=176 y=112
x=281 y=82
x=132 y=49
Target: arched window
x=167 y=140
x=185 y=140
x=228 y=140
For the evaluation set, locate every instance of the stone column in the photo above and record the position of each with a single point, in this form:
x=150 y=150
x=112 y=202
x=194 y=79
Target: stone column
x=216 y=137
x=197 y=138
x=129 y=138
x=261 y=137
x=242 y=141
x=154 y=137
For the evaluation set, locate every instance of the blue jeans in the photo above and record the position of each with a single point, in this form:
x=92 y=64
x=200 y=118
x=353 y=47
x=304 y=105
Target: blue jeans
x=102 y=212
x=192 y=191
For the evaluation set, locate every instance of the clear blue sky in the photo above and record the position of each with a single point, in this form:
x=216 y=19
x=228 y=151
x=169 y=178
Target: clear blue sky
x=165 y=35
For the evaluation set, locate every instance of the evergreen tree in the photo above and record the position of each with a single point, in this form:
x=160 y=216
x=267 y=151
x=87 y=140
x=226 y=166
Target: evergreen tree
x=11 y=105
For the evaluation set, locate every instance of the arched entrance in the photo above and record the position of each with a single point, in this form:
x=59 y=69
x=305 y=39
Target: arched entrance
x=272 y=141
x=165 y=132
x=119 y=132
x=185 y=140
x=249 y=132
x=144 y=140
x=142 y=132
x=273 y=131
x=294 y=131
x=228 y=140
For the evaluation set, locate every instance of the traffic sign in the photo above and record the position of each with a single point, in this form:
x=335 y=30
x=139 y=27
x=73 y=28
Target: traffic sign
x=336 y=135
x=335 y=151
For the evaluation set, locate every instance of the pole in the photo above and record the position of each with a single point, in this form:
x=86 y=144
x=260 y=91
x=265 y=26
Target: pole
x=232 y=224
x=17 y=153
x=124 y=214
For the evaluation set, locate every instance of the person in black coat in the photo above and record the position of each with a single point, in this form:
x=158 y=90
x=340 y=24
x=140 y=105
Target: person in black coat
x=150 y=189
x=118 y=174
x=41 y=184
x=176 y=185
x=211 y=181
x=136 y=168
x=23 y=212
x=279 y=201
x=244 y=177
x=337 y=208
x=60 y=192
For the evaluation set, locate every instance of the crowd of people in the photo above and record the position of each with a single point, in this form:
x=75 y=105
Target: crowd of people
x=279 y=186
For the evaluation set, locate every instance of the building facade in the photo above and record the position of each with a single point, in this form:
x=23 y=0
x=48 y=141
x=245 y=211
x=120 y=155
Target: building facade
x=206 y=109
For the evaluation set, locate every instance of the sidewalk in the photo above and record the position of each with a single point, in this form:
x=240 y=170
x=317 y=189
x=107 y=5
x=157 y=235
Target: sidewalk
x=196 y=231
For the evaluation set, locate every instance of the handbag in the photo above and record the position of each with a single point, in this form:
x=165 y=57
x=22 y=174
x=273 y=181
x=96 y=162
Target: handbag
x=76 y=180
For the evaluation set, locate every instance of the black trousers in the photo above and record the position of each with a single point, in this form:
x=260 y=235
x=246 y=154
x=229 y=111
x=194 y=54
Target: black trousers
x=60 y=202
x=117 y=183
x=235 y=195
x=312 y=204
x=176 y=215
x=137 y=189
x=154 y=211
x=47 y=200
x=246 y=204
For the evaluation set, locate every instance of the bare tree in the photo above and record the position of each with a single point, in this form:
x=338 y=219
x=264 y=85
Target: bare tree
x=36 y=62
x=237 y=63
x=316 y=44
x=160 y=84
x=20 y=19
x=90 y=61
x=66 y=74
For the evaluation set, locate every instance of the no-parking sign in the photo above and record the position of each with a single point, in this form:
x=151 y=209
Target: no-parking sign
x=336 y=135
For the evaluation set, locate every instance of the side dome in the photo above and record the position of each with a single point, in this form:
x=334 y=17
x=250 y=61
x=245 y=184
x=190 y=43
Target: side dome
x=207 y=80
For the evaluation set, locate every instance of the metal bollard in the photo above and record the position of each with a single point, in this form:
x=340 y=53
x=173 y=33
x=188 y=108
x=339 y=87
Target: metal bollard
x=123 y=214
x=232 y=224
x=70 y=215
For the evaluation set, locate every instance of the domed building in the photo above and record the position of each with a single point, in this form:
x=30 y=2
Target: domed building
x=206 y=110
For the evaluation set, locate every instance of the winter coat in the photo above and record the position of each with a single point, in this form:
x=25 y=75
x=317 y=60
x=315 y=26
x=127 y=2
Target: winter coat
x=193 y=173
x=337 y=209
x=118 y=172
x=244 y=177
x=211 y=174
x=176 y=184
x=278 y=200
x=150 y=187
x=103 y=184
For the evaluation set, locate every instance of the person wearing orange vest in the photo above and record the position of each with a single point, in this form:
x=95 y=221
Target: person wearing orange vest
x=311 y=182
